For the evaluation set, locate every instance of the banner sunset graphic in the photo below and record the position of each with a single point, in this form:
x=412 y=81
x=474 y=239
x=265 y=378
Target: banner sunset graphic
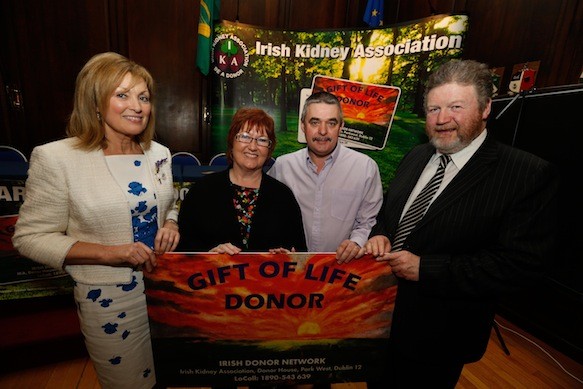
x=266 y=297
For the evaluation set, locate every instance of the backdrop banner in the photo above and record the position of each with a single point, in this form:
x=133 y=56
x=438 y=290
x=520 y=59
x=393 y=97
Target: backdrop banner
x=21 y=277
x=266 y=319
x=368 y=110
x=270 y=69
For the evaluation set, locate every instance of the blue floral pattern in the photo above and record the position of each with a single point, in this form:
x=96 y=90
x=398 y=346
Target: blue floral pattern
x=114 y=306
x=144 y=215
x=132 y=173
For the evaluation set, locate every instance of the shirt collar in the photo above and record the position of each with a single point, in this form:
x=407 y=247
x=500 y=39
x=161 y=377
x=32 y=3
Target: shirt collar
x=463 y=156
x=330 y=160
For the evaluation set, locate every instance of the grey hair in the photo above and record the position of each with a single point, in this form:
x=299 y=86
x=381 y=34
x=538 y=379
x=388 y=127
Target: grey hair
x=464 y=72
x=321 y=97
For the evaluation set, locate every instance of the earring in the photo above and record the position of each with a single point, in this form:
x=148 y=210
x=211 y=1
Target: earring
x=98 y=116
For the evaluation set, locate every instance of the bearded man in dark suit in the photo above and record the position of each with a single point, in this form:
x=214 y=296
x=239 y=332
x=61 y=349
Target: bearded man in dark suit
x=488 y=231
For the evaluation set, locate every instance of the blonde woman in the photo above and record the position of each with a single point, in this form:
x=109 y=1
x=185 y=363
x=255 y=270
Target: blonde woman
x=100 y=204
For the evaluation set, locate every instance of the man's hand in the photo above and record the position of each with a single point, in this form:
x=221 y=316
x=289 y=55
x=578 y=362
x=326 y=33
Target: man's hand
x=405 y=264
x=347 y=251
x=378 y=246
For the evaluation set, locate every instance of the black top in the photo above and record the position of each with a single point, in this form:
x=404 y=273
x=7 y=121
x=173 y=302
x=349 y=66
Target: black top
x=208 y=217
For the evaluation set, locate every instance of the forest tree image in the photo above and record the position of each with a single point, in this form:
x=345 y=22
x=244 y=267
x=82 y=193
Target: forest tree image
x=268 y=69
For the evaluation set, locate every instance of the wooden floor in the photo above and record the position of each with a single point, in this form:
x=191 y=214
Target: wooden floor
x=527 y=367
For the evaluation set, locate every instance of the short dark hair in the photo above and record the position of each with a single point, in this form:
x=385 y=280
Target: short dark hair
x=321 y=97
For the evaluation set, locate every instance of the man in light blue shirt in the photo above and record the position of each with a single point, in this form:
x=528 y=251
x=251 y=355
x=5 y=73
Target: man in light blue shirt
x=339 y=190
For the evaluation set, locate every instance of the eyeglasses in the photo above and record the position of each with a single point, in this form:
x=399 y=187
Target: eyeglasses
x=262 y=141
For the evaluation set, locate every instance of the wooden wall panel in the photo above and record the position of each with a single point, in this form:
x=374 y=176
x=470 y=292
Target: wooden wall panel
x=566 y=58
x=328 y=14
x=399 y=11
x=42 y=52
x=295 y=14
x=162 y=36
x=504 y=33
x=266 y=13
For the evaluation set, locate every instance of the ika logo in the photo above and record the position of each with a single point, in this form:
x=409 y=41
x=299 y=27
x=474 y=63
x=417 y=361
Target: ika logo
x=230 y=56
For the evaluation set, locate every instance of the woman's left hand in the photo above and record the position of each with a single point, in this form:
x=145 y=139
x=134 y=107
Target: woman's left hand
x=167 y=238
x=281 y=250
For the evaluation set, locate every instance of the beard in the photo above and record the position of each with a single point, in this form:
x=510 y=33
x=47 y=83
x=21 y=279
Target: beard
x=464 y=135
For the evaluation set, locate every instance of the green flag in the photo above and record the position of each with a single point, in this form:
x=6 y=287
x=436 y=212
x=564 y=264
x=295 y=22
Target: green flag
x=209 y=11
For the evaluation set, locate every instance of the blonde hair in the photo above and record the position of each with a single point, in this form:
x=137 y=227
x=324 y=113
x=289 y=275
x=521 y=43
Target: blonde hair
x=95 y=84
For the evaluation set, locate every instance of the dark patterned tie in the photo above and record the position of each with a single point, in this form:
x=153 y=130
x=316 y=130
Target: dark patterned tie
x=420 y=205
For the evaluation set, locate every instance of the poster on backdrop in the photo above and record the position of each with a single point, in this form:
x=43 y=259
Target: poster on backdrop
x=270 y=69
x=256 y=318
x=21 y=277
x=368 y=110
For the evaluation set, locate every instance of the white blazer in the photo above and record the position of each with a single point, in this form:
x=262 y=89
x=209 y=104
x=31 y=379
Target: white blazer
x=71 y=196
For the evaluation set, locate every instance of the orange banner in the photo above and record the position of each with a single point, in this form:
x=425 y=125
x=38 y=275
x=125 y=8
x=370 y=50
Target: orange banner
x=208 y=310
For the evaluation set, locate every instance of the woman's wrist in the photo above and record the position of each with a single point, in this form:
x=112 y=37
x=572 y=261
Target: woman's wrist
x=171 y=221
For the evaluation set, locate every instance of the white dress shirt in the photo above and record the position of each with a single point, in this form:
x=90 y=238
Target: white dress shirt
x=458 y=160
x=340 y=202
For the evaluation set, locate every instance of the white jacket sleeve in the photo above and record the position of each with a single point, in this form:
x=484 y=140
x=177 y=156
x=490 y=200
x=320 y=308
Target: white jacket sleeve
x=40 y=232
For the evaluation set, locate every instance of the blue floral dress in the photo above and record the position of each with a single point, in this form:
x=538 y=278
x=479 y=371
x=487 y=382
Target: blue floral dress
x=133 y=176
x=113 y=335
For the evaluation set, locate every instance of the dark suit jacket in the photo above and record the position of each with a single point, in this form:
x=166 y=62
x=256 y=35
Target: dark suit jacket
x=208 y=218
x=487 y=233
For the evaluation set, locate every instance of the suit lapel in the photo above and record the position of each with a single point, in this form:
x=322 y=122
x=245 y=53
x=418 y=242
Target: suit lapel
x=479 y=166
